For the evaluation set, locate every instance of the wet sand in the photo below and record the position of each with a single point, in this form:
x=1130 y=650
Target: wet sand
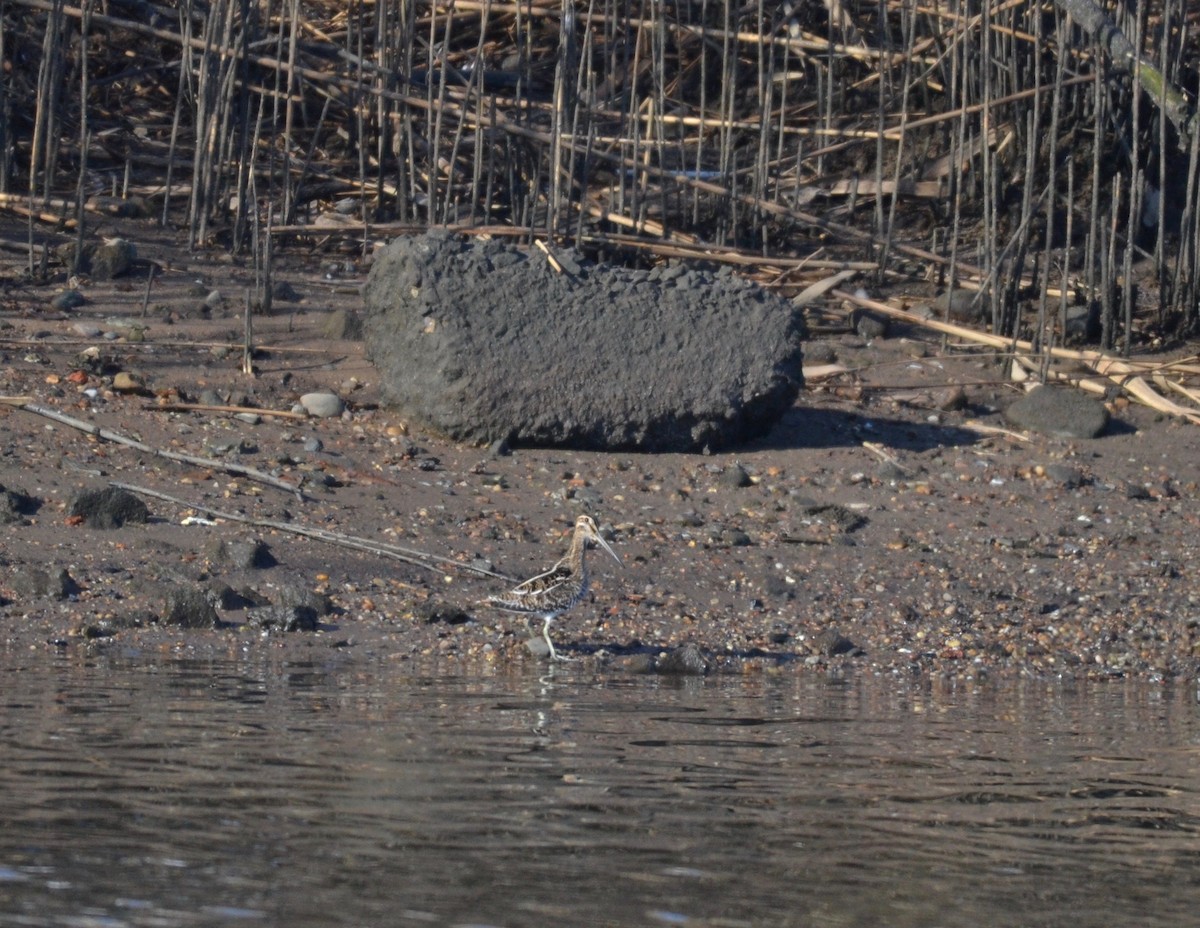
x=871 y=529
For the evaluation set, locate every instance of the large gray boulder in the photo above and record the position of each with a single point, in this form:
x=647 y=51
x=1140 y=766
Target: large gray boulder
x=481 y=341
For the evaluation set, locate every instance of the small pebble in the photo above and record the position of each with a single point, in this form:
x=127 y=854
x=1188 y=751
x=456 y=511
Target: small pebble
x=322 y=405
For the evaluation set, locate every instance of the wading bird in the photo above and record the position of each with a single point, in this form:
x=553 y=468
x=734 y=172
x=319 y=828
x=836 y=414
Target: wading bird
x=552 y=593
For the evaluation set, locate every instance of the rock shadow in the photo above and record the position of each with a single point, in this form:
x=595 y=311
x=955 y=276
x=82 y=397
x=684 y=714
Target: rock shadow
x=827 y=428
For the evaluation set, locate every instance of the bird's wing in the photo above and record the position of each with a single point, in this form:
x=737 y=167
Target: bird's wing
x=553 y=578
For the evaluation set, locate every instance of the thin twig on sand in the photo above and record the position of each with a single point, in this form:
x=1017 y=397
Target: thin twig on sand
x=205 y=407
x=395 y=552
x=117 y=438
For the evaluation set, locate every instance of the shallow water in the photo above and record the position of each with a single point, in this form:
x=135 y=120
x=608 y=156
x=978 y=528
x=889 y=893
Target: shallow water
x=136 y=790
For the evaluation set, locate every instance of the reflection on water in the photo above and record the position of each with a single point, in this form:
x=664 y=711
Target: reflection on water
x=138 y=791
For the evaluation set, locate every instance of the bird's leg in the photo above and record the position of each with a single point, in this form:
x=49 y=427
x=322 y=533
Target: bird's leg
x=554 y=655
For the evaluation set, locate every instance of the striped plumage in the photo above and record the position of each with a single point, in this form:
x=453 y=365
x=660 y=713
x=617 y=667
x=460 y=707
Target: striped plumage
x=552 y=593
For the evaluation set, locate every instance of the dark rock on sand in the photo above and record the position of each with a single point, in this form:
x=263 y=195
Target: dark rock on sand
x=1058 y=411
x=869 y=325
x=1066 y=476
x=36 y=583
x=15 y=505
x=962 y=305
x=102 y=260
x=685 y=660
x=108 y=508
x=283 y=291
x=483 y=342
x=736 y=476
x=189 y=607
x=68 y=300
x=244 y=553
x=831 y=643
x=434 y=610
x=292 y=594
x=284 y=618
x=341 y=324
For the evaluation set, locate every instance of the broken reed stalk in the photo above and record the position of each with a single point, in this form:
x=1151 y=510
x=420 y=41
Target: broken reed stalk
x=149 y=286
x=248 y=337
x=1113 y=371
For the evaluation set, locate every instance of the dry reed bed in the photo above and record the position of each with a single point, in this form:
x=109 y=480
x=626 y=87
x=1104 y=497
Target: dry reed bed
x=1003 y=147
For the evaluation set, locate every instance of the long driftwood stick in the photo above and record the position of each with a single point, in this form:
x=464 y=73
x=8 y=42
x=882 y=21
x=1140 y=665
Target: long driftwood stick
x=395 y=552
x=117 y=438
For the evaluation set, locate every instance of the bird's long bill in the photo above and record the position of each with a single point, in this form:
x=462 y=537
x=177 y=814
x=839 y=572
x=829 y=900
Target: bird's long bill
x=604 y=544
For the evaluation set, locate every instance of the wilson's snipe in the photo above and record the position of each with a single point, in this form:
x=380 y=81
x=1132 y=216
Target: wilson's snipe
x=552 y=593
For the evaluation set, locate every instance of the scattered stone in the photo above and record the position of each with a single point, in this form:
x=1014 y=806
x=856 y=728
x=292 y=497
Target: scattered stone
x=313 y=445
x=68 y=300
x=820 y=353
x=341 y=325
x=869 y=324
x=1083 y=323
x=435 y=610
x=890 y=470
x=293 y=594
x=962 y=305
x=213 y=299
x=499 y=448
x=1065 y=475
x=283 y=619
x=726 y=537
x=776 y=585
x=189 y=607
x=284 y=292
x=685 y=660
x=831 y=643
x=1058 y=411
x=245 y=553
x=464 y=342
x=87 y=330
x=111 y=507
x=37 y=583
x=837 y=516
x=125 y=382
x=736 y=476
x=585 y=498
x=1136 y=491
x=112 y=258
x=481 y=563
x=226 y=597
x=15 y=505
x=322 y=405
x=950 y=399
x=119 y=207
x=537 y=645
